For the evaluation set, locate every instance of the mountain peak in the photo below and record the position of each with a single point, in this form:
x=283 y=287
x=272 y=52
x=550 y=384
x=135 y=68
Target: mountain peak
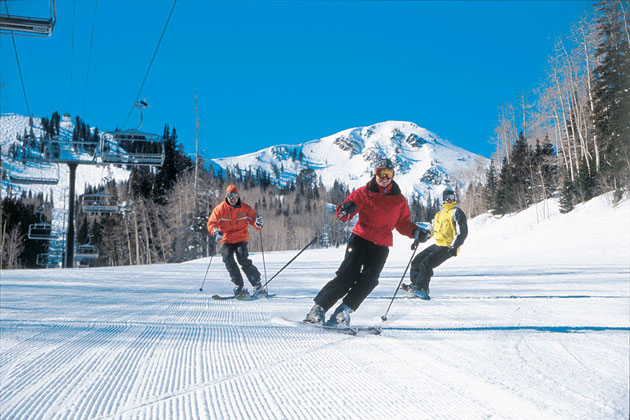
x=424 y=162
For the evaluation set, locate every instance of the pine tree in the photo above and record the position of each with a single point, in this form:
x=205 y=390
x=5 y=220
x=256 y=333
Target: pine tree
x=612 y=91
x=567 y=196
x=490 y=189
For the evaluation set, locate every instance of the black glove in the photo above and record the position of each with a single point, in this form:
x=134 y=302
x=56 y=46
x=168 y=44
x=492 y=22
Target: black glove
x=218 y=235
x=259 y=221
x=420 y=235
x=347 y=208
x=452 y=252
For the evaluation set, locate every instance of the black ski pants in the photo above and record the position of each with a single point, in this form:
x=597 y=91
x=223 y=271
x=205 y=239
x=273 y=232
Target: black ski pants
x=250 y=270
x=357 y=275
x=423 y=264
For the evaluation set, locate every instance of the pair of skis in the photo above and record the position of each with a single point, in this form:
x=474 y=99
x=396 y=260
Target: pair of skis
x=243 y=297
x=345 y=329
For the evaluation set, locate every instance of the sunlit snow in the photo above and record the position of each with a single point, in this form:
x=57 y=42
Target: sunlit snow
x=530 y=321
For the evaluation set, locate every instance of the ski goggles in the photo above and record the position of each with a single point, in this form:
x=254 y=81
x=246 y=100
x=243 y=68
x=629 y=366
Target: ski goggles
x=449 y=197
x=232 y=196
x=385 y=173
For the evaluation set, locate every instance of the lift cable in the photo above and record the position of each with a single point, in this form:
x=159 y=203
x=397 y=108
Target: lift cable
x=74 y=12
x=150 y=64
x=87 y=74
x=17 y=58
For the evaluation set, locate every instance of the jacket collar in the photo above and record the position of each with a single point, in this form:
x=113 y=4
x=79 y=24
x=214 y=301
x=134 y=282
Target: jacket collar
x=449 y=206
x=393 y=188
x=237 y=205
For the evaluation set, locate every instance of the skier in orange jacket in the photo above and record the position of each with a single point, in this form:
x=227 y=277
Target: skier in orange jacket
x=229 y=224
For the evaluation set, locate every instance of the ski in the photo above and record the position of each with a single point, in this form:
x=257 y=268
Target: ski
x=241 y=297
x=350 y=330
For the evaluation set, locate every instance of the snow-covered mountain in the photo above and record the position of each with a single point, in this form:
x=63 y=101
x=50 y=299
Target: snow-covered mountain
x=425 y=163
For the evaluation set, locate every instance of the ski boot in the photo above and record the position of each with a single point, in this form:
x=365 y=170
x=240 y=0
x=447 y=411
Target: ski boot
x=259 y=291
x=419 y=292
x=241 y=293
x=341 y=316
x=315 y=315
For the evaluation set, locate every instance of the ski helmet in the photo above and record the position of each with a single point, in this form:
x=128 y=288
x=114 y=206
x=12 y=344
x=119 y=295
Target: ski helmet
x=384 y=163
x=449 y=195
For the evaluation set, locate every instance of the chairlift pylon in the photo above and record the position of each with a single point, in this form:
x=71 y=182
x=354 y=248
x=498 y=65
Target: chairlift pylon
x=28 y=25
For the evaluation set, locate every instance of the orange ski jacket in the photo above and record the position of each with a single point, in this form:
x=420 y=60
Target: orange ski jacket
x=232 y=221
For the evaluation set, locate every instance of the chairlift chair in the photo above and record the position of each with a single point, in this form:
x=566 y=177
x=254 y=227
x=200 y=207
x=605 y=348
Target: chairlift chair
x=100 y=203
x=28 y=25
x=67 y=151
x=49 y=260
x=35 y=174
x=86 y=251
x=133 y=147
x=41 y=231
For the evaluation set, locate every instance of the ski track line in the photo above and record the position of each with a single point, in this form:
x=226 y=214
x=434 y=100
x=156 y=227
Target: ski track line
x=531 y=363
x=30 y=387
x=472 y=393
x=226 y=370
x=115 y=377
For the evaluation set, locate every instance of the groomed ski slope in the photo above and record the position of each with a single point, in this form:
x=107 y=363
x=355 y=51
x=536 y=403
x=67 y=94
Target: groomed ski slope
x=513 y=331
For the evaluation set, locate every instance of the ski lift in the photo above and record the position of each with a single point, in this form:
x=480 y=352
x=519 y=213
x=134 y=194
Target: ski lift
x=49 y=260
x=133 y=147
x=100 y=203
x=33 y=173
x=41 y=231
x=67 y=151
x=28 y=25
x=86 y=251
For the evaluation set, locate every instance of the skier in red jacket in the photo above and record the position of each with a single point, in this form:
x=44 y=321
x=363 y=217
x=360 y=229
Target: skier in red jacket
x=229 y=223
x=381 y=208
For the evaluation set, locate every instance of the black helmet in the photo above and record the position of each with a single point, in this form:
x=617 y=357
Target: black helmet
x=384 y=163
x=449 y=195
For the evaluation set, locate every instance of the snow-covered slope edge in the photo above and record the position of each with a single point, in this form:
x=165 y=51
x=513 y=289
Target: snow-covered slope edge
x=595 y=232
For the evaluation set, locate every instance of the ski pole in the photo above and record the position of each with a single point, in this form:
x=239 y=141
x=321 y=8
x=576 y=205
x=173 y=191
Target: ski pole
x=204 y=277
x=262 y=250
x=384 y=317
x=292 y=259
x=287 y=264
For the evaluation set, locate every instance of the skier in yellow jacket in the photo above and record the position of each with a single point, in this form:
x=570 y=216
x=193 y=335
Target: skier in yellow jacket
x=450 y=230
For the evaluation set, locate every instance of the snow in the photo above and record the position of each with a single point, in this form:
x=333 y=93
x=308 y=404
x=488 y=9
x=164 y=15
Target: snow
x=531 y=320
x=348 y=156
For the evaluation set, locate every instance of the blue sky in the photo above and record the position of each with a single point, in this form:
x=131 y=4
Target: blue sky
x=285 y=72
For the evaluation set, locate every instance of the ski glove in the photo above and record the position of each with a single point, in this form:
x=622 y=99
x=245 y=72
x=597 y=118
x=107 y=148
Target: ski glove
x=420 y=235
x=452 y=252
x=259 y=221
x=218 y=235
x=347 y=209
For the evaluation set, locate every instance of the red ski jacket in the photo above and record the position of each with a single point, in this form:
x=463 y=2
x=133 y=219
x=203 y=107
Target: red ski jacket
x=380 y=211
x=232 y=221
